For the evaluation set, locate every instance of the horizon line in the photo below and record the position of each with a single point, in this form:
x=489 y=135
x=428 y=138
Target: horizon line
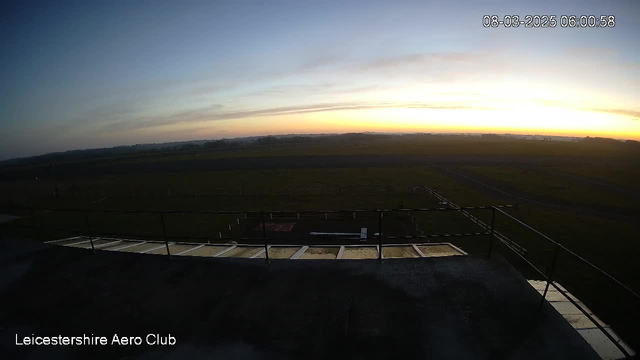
x=317 y=134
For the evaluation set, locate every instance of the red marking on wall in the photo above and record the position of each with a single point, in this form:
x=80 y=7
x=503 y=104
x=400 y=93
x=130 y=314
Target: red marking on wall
x=276 y=226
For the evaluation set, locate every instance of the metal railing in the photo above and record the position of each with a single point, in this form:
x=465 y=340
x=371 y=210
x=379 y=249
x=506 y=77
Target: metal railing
x=263 y=216
x=549 y=276
x=521 y=253
x=140 y=192
x=491 y=233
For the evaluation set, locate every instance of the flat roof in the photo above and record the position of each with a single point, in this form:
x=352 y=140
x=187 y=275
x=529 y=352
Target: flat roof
x=464 y=307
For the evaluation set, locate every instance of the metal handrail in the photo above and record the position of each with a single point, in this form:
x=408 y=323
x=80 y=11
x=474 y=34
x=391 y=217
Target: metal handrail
x=380 y=236
x=260 y=212
x=551 y=283
x=635 y=294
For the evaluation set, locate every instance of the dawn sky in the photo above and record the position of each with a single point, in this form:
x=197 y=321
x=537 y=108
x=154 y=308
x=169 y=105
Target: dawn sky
x=85 y=74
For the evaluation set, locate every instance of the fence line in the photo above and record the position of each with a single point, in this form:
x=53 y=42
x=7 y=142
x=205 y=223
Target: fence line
x=83 y=191
x=490 y=231
x=278 y=212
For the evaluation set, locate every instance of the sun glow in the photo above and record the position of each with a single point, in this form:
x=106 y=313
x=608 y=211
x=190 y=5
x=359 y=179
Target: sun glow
x=512 y=117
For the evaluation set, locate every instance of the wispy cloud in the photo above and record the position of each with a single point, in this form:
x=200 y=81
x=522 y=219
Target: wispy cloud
x=214 y=113
x=424 y=59
x=433 y=67
x=625 y=112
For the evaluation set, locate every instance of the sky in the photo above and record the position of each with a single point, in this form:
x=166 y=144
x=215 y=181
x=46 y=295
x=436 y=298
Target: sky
x=85 y=74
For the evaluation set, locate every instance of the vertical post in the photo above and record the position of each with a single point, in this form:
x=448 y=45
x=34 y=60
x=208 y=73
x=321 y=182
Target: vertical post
x=35 y=224
x=380 y=236
x=491 y=234
x=164 y=234
x=86 y=222
x=550 y=274
x=264 y=236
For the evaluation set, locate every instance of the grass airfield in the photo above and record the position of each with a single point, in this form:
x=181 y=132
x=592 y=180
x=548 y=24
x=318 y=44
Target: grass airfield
x=583 y=195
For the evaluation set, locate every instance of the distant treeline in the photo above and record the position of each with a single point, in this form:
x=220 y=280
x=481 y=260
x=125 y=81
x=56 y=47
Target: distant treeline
x=141 y=149
x=93 y=153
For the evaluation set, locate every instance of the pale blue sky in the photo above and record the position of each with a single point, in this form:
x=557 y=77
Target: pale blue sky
x=81 y=74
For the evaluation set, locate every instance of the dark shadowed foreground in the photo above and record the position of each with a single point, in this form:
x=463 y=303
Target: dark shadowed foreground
x=457 y=307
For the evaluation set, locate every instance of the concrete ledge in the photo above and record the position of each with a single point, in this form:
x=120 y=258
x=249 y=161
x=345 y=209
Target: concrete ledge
x=128 y=246
x=299 y=253
x=190 y=250
x=418 y=250
x=224 y=251
x=154 y=248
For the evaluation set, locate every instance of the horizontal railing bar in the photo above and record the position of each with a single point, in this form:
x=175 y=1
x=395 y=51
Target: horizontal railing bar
x=571 y=253
x=260 y=212
x=527 y=226
x=97 y=233
x=544 y=276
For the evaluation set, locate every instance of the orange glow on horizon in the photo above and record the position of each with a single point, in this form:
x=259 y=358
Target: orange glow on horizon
x=529 y=120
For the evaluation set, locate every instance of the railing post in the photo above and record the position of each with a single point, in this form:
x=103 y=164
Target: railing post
x=86 y=222
x=550 y=274
x=164 y=234
x=264 y=236
x=492 y=233
x=380 y=236
x=35 y=224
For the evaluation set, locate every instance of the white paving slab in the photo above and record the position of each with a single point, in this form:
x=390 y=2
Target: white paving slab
x=603 y=345
x=585 y=327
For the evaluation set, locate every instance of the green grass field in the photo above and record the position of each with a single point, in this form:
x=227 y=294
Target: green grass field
x=574 y=174
x=395 y=145
x=543 y=184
